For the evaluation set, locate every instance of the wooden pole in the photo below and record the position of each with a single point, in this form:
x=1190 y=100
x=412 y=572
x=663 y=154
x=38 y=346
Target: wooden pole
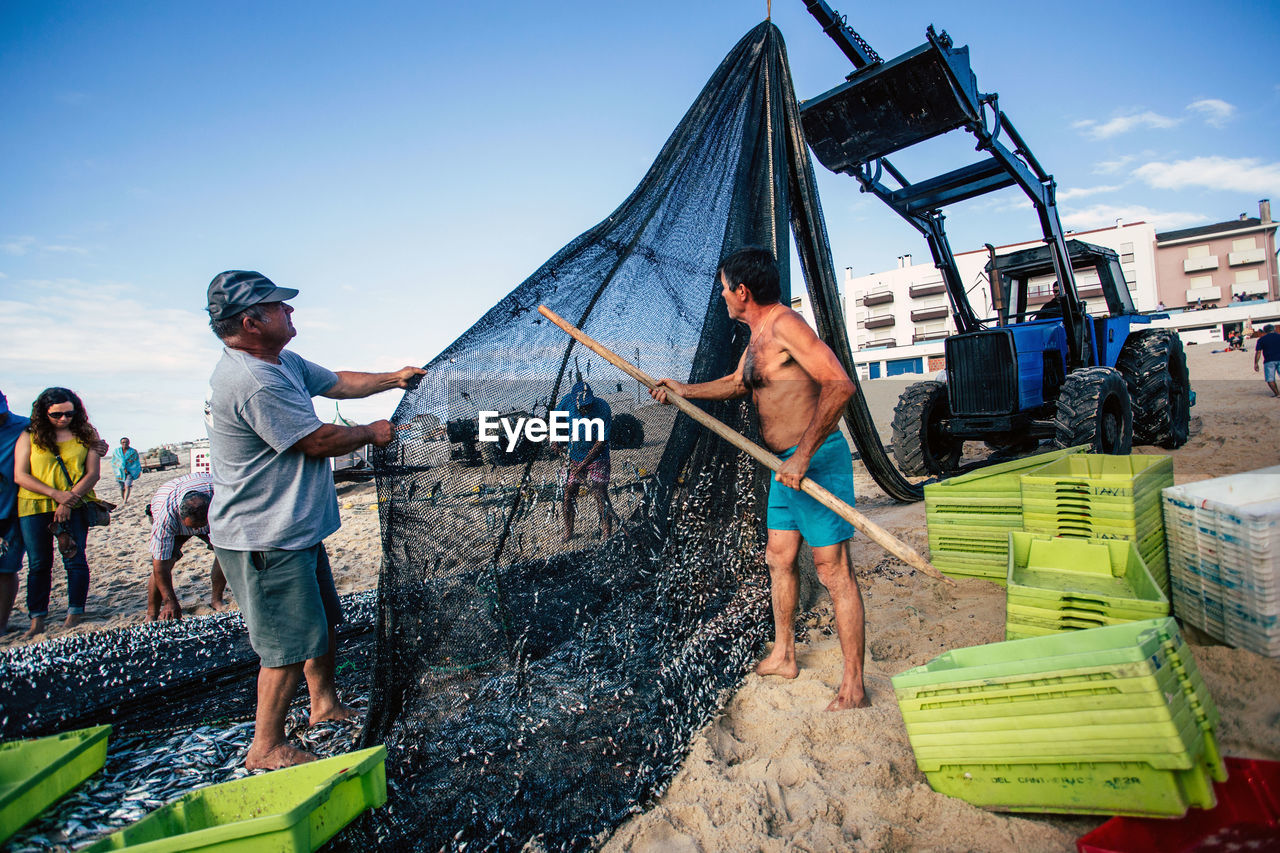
x=875 y=532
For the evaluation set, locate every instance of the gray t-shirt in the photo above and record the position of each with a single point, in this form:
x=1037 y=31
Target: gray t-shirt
x=265 y=494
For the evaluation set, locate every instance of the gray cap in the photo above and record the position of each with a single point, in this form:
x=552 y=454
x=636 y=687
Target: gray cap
x=233 y=291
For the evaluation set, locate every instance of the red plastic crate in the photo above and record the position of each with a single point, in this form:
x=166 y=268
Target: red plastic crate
x=1247 y=817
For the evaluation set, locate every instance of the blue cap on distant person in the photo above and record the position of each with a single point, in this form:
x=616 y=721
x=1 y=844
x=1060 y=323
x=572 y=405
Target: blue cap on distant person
x=582 y=396
x=233 y=291
x=4 y=404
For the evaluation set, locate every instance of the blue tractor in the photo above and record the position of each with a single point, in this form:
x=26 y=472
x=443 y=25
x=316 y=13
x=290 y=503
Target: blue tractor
x=1026 y=372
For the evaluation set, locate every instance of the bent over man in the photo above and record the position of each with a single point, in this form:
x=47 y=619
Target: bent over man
x=179 y=510
x=274 y=500
x=799 y=388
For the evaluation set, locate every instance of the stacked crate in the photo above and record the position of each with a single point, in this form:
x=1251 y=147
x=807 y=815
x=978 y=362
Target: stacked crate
x=1224 y=557
x=1113 y=720
x=1058 y=584
x=1102 y=497
x=969 y=517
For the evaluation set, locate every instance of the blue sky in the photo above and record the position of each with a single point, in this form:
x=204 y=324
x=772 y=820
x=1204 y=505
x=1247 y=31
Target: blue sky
x=406 y=164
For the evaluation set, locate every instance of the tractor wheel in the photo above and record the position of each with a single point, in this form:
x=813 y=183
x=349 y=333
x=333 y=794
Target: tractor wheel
x=920 y=445
x=1155 y=369
x=1093 y=409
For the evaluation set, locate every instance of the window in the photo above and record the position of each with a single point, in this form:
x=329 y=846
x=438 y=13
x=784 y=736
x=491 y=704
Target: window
x=1245 y=276
x=796 y=302
x=1197 y=252
x=1201 y=281
x=1244 y=245
x=1126 y=253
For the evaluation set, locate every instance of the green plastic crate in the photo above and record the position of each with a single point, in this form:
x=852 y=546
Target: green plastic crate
x=298 y=808
x=34 y=774
x=1103 y=575
x=1133 y=788
x=1102 y=475
x=1004 y=477
x=1105 y=654
x=1114 y=695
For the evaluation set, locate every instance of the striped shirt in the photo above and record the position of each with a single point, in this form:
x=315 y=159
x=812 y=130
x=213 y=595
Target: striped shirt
x=166 y=517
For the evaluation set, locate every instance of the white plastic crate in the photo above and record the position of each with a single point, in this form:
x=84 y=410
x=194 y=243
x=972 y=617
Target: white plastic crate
x=1224 y=557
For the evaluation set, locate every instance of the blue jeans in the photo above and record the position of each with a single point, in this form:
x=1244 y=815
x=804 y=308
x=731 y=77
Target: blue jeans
x=39 y=541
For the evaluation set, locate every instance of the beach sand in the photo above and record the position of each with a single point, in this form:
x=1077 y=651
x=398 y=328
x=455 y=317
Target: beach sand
x=774 y=771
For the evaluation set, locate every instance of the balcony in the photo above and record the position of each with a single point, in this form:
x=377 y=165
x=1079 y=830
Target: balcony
x=1249 y=256
x=881 y=297
x=928 y=288
x=879 y=321
x=1249 y=288
x=1206 y=294
x=1199 y=264
x=937 y=312
x=878 y=343
x=921 y=337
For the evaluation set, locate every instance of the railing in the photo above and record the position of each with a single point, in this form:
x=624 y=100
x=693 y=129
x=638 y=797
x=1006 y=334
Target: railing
x=1198 y=264
x=927 y=289
x=937 y=312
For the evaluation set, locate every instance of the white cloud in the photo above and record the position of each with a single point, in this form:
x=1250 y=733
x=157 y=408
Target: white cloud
x=1110 y=167
x=17 y=245
x=1081 y=192
x=1124 y=124
x=1242 y=174
x=1215 y=112
x=26 y=244
x=1102 y=215
x=65 y=329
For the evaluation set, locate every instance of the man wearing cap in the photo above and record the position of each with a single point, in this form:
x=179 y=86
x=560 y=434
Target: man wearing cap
x=588 y=462
x=274 y=501
x=11 y=544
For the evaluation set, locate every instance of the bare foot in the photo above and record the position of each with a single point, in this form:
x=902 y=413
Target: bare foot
x=72 y=620
x=218 y=606
x=37 y=628
x=778 y=664
x=335 y=713
x=850 y=698
x=278 y=756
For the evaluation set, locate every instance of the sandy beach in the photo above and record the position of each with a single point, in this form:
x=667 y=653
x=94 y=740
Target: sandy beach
x=774 y=771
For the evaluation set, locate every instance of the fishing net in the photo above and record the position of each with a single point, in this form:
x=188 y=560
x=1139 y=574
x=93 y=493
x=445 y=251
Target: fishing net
x=529 y=687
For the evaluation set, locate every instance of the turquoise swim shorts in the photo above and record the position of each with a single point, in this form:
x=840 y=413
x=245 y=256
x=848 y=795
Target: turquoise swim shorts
x=789 y=509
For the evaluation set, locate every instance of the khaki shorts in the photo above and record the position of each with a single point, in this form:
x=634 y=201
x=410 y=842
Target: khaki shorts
x=287 y=599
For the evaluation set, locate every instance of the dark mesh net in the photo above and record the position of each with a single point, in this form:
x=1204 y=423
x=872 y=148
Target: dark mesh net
x=532 y=688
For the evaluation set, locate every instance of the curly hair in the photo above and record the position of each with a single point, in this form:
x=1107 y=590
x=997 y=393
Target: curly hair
x=44 y=435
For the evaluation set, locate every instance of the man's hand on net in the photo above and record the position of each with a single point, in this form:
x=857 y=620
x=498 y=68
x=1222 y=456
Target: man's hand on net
x=409 y=377
x=383 y=432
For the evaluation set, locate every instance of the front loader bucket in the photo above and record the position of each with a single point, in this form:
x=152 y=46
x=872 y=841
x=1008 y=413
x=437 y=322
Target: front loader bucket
x=889 y=106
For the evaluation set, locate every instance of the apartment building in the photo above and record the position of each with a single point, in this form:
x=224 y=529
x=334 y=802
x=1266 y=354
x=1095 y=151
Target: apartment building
x=1212 y=266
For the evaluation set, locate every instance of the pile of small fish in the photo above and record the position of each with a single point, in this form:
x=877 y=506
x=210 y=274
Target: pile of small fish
x=162 y=668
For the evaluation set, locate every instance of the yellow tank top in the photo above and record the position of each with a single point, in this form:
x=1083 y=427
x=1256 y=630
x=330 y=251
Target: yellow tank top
x=45 y=468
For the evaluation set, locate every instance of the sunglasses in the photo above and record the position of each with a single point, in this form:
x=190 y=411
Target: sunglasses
x=60 y=415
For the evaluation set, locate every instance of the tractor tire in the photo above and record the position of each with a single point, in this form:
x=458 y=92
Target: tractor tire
x=1094 y=409
x=920 y=446
x=1154 y=366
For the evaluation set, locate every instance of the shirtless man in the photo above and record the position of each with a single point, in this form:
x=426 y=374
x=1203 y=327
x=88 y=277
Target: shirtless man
x=799 y=388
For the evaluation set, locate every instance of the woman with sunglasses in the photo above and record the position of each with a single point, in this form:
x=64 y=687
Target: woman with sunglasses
x=50 y=498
